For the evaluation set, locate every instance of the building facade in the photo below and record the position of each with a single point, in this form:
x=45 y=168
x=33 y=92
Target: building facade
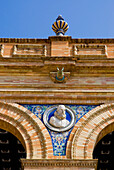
x=39 y=75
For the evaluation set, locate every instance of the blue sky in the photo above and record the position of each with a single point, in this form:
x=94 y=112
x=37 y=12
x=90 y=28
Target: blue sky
x=33 y=18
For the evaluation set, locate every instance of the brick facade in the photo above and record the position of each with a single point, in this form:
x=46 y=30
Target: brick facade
x=28 y=129
x=27 y=76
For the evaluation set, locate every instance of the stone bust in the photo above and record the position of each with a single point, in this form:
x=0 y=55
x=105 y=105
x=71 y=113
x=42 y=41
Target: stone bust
x=59 y=119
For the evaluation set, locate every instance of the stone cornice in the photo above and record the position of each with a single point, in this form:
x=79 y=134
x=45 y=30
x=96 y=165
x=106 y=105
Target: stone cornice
x=23 y=40
x=92 y=41
x=60 y=38
x=45 y=96
x=57 y=38
x=89 y=163
x=96 y=61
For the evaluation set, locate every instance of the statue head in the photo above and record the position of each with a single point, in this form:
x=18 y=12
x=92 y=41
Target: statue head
x=60 y=112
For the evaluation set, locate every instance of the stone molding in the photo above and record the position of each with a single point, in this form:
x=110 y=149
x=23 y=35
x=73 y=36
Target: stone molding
x=101 y=48
x=60 y=38
x=89 y=163
x=29 y=50
x=55 y=38
x=55 y=96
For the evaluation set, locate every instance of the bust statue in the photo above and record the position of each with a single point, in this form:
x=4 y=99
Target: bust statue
x=59 y=119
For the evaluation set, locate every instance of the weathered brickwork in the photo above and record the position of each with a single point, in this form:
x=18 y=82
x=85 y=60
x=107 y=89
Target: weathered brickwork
x=60 y=46
x=27 y=67
x=87 y=129
x=29 y=129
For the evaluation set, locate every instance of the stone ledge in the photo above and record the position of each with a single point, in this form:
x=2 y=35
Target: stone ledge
x=55 y=98
x=90 y=163
x=60 y=38
x=64 y=38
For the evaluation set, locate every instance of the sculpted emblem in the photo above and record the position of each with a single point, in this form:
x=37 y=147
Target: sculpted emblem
x=59 y=118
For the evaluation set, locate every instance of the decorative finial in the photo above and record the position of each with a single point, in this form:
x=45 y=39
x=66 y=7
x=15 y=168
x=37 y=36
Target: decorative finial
x=60 y=26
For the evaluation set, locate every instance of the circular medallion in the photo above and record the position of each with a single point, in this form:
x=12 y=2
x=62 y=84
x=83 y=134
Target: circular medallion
x=59 y=118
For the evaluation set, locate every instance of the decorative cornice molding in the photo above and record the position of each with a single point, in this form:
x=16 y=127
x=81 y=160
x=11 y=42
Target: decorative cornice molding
x=90 y=163
x=54 y=97
x=60 y=38
x=92 y=41
x=86 y=61
x=32 y=50
x=56 y=38
x=101 y=48
x=23 y=40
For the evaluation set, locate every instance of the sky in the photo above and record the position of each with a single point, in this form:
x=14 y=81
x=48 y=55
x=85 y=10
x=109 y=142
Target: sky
x=34 y=18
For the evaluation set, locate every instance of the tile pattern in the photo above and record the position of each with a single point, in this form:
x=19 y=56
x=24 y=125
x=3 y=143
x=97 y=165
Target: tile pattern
x=59 y=139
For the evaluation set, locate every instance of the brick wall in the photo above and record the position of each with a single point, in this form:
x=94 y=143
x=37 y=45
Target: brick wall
x=30 y=130
x=26 y=76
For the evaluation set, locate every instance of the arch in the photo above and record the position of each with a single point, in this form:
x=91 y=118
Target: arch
x=85 y=133
x=11 y=150
x=108 y=129
x=10 y=128
x=27 y=128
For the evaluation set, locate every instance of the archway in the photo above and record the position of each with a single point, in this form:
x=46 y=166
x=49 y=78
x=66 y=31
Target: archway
x=11 y=150
x=86 y=131
x=103 y=150
x=28 y=129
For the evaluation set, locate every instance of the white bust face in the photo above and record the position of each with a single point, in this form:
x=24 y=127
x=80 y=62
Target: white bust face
x=61 y=109
x=59 y=119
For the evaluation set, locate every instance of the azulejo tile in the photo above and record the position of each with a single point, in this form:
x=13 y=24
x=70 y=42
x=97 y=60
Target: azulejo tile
x=59 y=139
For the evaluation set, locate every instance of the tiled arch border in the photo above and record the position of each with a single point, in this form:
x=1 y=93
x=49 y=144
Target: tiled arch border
x=28 y=129
x=84 y=135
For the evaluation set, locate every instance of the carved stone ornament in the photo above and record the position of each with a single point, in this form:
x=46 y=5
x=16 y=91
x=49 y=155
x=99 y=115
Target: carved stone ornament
x=59 y=118
x=60 y=164
x=59 y=76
